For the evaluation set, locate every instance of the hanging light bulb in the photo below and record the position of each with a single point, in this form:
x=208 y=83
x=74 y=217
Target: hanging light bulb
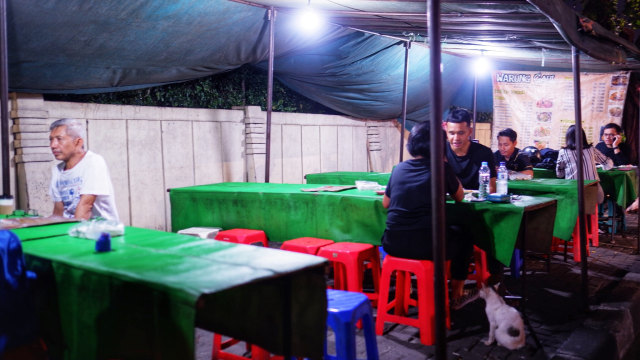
x=309 y=20
x=481 y=65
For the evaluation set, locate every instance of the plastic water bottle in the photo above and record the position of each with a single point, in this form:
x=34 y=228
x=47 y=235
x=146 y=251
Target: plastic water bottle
x=484 y=179
x=503 y=179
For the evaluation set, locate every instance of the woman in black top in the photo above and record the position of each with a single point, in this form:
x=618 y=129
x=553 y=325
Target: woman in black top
x=408 y=200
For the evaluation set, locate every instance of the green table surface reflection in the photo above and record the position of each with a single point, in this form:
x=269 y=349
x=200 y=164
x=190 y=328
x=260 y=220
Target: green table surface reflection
x=285 y=212
x=144 y=298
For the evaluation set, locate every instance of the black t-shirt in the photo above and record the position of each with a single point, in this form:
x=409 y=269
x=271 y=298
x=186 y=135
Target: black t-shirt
x=466 y=167
x=618 y=159
x=517 y=161
x=409 y=190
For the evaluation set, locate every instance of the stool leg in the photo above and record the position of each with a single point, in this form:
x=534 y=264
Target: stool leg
x=339 y=280
x=346 y=344
x=354 y=276
x=383 y=306
x=401 y=303
x=593 y=225
x=426 y=309
x=369 y=335
x=516 y=264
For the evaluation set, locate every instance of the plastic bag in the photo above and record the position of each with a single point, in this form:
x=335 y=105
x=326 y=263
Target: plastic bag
x=94 y=228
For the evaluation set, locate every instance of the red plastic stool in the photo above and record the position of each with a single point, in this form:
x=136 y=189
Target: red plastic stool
x=257 y=353
x=423 y=269
x=480 y=271
x=306 y=245
x=243 y=236
x=574 y=243
x=350 y=260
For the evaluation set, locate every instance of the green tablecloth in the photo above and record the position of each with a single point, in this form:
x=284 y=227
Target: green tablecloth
x=143 y=299
x=285 y=212
x=621 y=185
x=347 y=177
x=565 y=191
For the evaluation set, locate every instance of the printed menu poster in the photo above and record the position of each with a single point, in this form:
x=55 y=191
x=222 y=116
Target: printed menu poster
x=539 y=105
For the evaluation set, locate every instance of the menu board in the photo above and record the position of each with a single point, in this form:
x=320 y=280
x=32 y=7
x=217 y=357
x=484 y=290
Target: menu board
x=539 y=105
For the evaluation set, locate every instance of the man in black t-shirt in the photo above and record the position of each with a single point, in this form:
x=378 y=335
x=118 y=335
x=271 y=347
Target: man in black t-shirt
x=510 y=154
x=612 y=146
x=464 y=156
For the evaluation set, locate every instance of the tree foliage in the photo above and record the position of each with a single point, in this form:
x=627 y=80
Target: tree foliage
x=620 y=16
x=244 y=86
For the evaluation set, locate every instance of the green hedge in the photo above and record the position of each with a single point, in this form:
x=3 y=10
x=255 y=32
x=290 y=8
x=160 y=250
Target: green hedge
x=244 y=86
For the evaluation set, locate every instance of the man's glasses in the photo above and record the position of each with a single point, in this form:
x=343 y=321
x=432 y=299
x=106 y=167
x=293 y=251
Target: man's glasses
x=609 y=135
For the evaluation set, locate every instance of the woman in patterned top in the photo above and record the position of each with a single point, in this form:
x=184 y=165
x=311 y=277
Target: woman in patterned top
x=567 y=164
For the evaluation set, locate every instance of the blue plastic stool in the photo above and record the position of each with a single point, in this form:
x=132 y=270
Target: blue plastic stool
x=516 y=263
x=344 y=309
x=614 y=218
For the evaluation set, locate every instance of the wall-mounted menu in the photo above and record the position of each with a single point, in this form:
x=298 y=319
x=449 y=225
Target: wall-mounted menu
x=539 y=105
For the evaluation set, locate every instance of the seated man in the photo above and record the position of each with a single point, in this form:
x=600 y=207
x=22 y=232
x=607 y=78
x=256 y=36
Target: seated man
x=463 y=155
x=80 y=184
x=510 y=154
x=465 y=158
x=612 y=146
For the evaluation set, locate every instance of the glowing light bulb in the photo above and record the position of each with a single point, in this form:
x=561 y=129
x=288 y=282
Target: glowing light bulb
x=309 y=20
x=481 y=65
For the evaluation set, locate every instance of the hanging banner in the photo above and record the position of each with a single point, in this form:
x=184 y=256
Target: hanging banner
x=539 y=105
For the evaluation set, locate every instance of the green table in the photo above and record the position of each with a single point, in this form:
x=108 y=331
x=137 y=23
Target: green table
x=285 y=212
x=621 y=185
x=143 y=299
x=347 y=177
x=566 y=192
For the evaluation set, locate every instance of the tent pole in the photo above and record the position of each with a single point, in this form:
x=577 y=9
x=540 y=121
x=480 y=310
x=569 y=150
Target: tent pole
x=638 y=169
x=4 y=99
x=475 y=104
x=437 y=176
x=575 y=57
x=407 y=46
x=267 y=162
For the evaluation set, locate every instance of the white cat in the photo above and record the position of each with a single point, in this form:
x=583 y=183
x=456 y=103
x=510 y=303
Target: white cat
x=505 y=322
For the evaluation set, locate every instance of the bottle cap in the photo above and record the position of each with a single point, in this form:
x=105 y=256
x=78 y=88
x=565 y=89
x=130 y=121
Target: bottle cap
x=484 y=163
x=501 y=163
x=103 y=244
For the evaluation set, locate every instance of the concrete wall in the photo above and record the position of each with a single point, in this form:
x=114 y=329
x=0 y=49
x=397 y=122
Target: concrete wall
x=483 y=134
x=151 y=149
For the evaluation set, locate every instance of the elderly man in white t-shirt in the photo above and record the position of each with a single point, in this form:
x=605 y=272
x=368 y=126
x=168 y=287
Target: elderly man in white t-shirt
x=80 y=185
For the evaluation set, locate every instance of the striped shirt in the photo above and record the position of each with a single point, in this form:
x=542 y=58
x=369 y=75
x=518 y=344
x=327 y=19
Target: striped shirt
x=567 y=165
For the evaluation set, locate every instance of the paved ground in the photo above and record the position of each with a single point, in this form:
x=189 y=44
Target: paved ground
x=609 y=330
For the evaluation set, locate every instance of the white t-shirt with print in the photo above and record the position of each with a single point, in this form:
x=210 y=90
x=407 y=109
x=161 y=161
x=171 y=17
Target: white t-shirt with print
x=89 y=176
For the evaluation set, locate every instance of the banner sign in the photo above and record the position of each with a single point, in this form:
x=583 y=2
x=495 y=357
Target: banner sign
x=539 y=105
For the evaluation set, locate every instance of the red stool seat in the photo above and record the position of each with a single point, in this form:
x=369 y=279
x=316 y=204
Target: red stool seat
x=306 y=245
x=350 y=260
x=243 y=236
x=423 y=269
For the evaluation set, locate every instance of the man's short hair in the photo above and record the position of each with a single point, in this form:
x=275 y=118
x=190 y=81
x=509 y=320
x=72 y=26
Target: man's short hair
x=459 y=115
x=75 y=128
x=510 y=133
x=612 y=126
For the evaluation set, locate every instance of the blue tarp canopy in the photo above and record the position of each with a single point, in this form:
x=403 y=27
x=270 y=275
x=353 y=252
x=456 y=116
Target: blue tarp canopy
x=78 y=46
